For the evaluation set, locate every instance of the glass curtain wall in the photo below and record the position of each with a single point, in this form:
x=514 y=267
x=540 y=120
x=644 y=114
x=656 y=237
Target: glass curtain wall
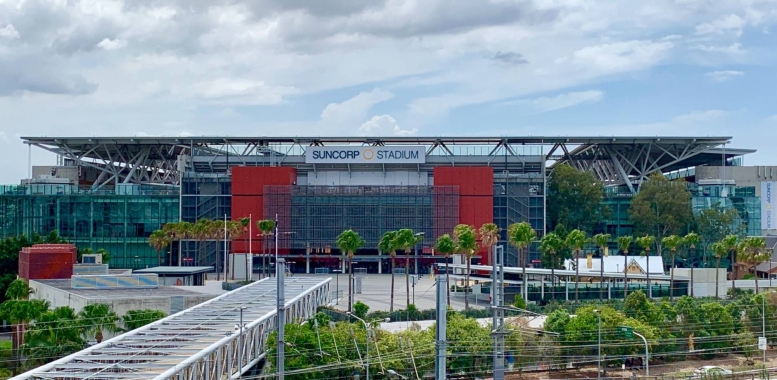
x=518 y=198
x=318 y=214
x=120 y=224
x=204 y=196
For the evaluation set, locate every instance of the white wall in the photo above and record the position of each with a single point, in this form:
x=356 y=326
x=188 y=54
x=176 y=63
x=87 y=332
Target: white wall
x=344 y=178
x=704 y=281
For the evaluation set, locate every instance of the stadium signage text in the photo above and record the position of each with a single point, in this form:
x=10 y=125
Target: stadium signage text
x=365 y=155
x=768 y=206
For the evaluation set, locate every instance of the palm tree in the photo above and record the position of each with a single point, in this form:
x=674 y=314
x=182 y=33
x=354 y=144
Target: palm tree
x=672 y=242
x=754 y=252
x=466 y=243
x=550 y=245
x=624 y=242
x=349 y=242
x=404 y=240
x=158 y=240
x=96 y=318
x=19 y=309
x=489 y=236
x=646 y=242
x=691 y=240
x=215 y=232
x=234 y=231
x=183 y=231
x=732 y=243
x=520 y=235
x=446 y=246
x=576 y=240
x=267 y=227
x=244 y=223
x=201 y=232
x=720 y=250
x=138 y=318
x=601 y=241
x=386 y=245
x=55 y=333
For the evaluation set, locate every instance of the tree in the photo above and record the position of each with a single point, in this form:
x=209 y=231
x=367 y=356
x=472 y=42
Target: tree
x=98 y=318
x=549 y=246
x=349 y=242
x=646 y=242
x=672 y=242
x=715 y=223
x=732 y=244
x=446 y=246
x=661 y=208
x=19 y=309
x=623 y=245
x=55 y=333
x=576 y=240
x=135 y=319
x=404 y=240
x=159 y=240
x=466 y=244
x=267 y=227
x=754 y=252
x=575 y=198
x=386 y=245
x=691 y=240
x=601 y=241
x=720 y=251
x=521 y=235
x=234 y=231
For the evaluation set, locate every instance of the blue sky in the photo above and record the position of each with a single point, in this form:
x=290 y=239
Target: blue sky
x=386 y=67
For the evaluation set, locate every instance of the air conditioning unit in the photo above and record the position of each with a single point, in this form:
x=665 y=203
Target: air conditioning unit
x=92 y=259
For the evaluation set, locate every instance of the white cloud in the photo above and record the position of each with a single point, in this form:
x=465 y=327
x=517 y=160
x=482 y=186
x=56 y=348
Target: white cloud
x=730 y=23
x=379 y=125
x=699 y=116
x=724 y=75
x=9 y=32
x=733 y=49
x=109 y=44
x=623 y=56
x=354 y=108
x=239 y=91
x=569 y=99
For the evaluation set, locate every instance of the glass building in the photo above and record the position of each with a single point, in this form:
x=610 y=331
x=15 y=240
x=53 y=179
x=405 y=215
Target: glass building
x=119 y=222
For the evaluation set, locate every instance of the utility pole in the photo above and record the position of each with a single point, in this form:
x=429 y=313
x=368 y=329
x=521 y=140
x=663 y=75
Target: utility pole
x=440 y=331
x=497 y=311
x=599 y=348
x=280 y=275
x=763 y=324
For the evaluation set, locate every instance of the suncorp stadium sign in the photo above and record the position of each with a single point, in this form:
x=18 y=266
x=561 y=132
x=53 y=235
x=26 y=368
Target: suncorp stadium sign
x=365 y=155
x=768 y=205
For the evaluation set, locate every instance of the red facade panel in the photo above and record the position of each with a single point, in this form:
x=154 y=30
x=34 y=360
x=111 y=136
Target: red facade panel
x=250 y=180
x=471 y=180
x=244 y=206
x=248 y=184
x=476 y=195
x=47 y=261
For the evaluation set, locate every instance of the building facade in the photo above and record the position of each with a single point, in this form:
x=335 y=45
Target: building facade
x=112 y=193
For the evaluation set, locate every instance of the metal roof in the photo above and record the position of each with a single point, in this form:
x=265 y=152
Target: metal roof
x=175 y=270
x=185 y=345
x=566 y=273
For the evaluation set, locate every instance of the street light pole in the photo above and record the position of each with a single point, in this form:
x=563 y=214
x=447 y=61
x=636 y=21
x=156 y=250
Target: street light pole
x=763 y=323
x=337 y=292
x=419 y=236
x=599 y=348
x=367 y=352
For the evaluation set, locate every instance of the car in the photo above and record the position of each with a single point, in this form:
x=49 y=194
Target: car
x=711 y=370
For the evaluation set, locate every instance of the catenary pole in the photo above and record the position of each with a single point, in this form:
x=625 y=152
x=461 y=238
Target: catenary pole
x=440 y=331
x=281 y=313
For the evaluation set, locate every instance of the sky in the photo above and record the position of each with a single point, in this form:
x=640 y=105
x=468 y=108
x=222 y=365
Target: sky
x=384 y=68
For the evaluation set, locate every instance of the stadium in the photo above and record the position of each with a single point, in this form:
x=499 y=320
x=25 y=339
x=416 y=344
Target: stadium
x=113 y=192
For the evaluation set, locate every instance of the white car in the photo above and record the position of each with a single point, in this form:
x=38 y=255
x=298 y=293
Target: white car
x=711 y=370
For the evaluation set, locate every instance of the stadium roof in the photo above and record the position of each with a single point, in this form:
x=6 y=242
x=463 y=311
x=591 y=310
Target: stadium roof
x=616 y=160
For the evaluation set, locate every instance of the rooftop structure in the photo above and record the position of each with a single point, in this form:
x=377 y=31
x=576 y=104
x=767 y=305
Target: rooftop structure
x=198 y=343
